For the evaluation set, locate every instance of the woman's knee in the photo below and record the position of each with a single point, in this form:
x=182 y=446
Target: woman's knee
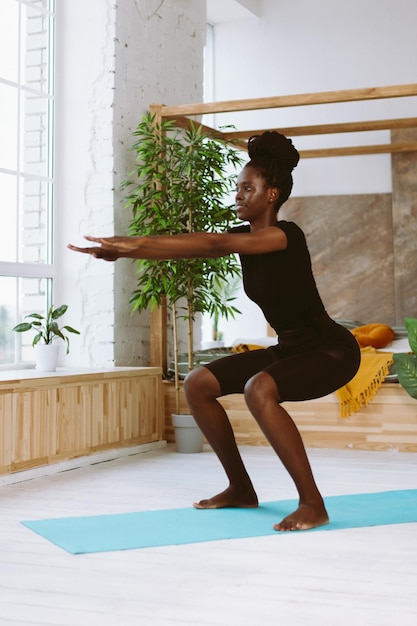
x=201 y=383
x=259 y=389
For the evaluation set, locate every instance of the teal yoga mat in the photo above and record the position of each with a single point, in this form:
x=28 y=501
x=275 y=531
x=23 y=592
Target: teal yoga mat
x=144 y=529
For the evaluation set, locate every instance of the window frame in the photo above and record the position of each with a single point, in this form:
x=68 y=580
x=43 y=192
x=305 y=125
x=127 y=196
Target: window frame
x=45 y=268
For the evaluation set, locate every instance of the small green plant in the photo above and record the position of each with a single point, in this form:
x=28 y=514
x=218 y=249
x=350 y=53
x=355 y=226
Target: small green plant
x=406 y=363
x=47 y=328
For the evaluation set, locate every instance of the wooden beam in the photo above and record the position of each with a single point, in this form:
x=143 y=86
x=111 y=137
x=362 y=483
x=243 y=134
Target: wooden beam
x=185 y=122
x=328 y=129
x=359 y=150
x=158 y=321
x=158 y=339
x=324 y=97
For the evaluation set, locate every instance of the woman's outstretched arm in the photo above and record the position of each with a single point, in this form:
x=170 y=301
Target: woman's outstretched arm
x=184 y=246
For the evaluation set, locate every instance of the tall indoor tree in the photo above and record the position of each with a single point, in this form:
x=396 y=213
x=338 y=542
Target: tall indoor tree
x=181 y=183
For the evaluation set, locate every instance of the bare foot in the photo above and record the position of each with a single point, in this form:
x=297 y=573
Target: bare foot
x=230 y=497
x=305 y=517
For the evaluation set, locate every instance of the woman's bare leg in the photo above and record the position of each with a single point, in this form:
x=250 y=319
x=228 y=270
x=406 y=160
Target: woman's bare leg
x=202 y=390
x=262 y=398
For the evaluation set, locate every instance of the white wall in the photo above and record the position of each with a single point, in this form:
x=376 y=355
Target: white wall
x=303 y=46
x=159 y=59
x=84 y=171
x=113 y=61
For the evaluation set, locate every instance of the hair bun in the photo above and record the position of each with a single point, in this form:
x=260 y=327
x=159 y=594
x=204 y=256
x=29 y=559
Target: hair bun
x=273 y=145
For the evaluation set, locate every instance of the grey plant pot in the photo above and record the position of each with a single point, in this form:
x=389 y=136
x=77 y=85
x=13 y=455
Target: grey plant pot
x=188 y=436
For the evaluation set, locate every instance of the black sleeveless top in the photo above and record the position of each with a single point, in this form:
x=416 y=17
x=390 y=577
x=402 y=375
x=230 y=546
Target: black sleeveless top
x=281 y=283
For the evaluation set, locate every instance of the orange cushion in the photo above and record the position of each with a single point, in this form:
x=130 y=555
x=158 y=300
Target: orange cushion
x=375 y=335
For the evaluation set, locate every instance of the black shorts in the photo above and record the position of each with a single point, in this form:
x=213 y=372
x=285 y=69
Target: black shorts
x=309 y=362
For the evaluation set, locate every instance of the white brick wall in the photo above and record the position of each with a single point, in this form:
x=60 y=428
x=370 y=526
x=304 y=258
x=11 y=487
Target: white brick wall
x=159 y=59
x=114 y=62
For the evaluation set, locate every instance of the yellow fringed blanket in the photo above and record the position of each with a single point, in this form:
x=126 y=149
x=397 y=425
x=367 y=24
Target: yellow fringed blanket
x=362 y=388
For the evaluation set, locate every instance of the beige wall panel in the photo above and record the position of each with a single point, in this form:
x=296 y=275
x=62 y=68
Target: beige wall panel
x=350 y=239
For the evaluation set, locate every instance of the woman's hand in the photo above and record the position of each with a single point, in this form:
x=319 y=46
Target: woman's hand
x=108 y=248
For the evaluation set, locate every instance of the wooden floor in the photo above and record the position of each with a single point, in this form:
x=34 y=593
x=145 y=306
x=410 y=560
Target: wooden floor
x=361 y=577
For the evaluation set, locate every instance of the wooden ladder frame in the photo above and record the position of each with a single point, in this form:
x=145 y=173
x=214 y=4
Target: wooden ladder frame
x=182 y=114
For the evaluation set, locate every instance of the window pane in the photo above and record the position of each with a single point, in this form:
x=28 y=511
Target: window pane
x=24 y=239
x=8 y=230
x=9 y=39
x=8 y=127
x=26 y=168
x=35 y=36
x=19 y=297
x=33 y=230
x=34 y=152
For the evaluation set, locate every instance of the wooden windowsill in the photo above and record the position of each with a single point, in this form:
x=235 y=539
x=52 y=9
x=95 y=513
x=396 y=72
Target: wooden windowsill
x=12 y=378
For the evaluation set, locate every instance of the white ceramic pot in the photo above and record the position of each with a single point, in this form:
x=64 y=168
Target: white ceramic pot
x=46 y=357
x=188 y=436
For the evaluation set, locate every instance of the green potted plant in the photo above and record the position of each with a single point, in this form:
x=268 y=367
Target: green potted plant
x=47 y=330
x=179 y=184
x=406 y=363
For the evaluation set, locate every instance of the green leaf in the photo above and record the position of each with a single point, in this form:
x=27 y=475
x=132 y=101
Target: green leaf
x=411 y=325
x=70 y=329
x=36 y=316
x=37 y=339
x=53 y=328
x=59 y=312
x=406 y=368
x=23 y=327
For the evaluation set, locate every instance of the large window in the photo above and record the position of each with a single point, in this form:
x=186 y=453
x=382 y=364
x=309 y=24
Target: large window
x=26 y=167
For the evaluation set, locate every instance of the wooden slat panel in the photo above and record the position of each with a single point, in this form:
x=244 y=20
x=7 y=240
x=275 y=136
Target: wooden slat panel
x=77 y=415
x=7 y=402
x=104 y=420
x=127 y=413
x=35 y=414
x=140 y=411
x=73 y=417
